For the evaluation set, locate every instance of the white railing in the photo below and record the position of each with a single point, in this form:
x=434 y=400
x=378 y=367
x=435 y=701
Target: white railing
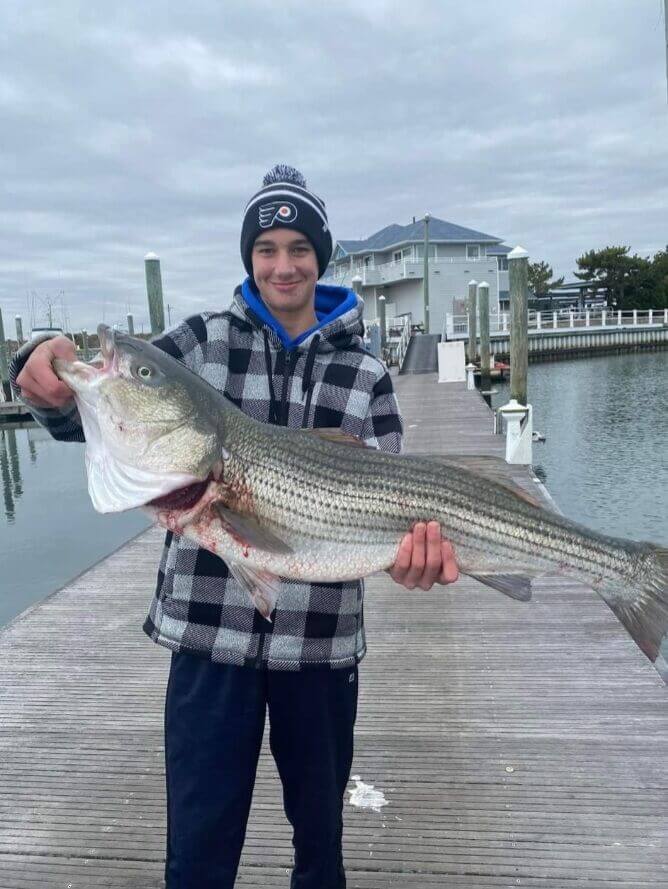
x=457 y=326
x=387 y=271
x=404 y=339
x=398 y=332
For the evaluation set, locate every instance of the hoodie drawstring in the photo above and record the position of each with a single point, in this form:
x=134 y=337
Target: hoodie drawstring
x=278 y=414
x=270 y=377
x=307 y=377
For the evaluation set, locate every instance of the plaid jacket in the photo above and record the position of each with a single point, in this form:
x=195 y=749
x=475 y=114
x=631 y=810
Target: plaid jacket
x=328 y=380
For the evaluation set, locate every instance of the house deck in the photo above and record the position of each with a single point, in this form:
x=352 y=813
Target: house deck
x=516 y=744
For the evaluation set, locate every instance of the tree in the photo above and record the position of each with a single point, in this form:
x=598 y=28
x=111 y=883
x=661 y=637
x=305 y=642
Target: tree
x=626 y=278
x=540 y=278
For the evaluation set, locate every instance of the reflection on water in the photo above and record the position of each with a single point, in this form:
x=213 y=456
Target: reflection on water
x=605 y=457
x=10 y=470
x=49 y=531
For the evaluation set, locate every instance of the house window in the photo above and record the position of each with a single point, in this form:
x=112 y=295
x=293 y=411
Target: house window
x=367 y=262
x=396 y=256
x=472 y=251
x=503 y=263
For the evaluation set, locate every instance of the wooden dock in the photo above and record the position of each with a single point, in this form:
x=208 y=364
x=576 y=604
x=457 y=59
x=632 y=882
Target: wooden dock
x=13 y=411
x=518 y=745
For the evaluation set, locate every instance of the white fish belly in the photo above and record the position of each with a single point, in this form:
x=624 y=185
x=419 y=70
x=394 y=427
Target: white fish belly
x=312 y=560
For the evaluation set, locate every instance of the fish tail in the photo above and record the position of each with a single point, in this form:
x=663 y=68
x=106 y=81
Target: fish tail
x=642 y=605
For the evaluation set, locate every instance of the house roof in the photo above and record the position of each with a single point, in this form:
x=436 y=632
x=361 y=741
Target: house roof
x=439 y=230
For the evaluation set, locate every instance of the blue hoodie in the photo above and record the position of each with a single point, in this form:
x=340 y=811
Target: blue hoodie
x=330 y=302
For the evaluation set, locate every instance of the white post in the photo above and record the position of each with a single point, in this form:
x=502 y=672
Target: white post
x=603 y=318
x=519 y=431
x=449 y=325
x=538 y=321
x=649 y=318
x=587 y=318
x=665 y=316
x=554 y=320
x=504 y=322
x=470 y=379
x=619 y=318
x=635 y=317
x=570 y=315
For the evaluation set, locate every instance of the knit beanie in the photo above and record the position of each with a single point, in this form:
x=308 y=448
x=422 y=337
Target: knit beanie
x=284 y=200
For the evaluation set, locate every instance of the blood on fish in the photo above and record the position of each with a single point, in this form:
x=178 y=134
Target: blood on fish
x=245 y=550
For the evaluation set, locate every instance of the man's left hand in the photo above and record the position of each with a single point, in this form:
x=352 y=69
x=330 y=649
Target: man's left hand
x=424 y=559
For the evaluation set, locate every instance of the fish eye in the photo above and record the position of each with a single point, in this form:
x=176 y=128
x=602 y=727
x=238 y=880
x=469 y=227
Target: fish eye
x=144 y=372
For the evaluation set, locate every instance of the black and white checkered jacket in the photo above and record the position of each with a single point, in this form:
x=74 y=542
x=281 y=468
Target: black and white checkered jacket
x=328 y=380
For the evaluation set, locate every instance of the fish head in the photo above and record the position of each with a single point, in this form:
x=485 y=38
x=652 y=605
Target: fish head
x=152 y=426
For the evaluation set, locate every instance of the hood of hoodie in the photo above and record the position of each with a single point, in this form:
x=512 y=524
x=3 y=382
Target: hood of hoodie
x=338 y=310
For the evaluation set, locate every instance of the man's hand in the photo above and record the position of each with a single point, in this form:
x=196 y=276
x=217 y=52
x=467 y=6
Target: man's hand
x=424 y=559
x=37 y=380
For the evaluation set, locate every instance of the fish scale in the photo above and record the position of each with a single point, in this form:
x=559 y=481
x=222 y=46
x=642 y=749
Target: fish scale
x=275 y=502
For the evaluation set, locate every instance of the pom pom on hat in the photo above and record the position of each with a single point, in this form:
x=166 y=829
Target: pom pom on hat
x=284 y=173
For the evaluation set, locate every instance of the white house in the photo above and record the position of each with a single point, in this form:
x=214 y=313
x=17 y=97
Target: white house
x=391 y=262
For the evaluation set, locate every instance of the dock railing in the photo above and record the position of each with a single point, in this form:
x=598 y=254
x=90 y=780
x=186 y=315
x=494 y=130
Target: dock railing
x=456 y=326
x=398 y=337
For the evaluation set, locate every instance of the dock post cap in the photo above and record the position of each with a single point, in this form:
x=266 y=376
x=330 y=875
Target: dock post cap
x=357 y=278
x=473 y=283
x=381 y=296
x=150 y=256
x=484 y=284
x=513 y=408
x=518 y=253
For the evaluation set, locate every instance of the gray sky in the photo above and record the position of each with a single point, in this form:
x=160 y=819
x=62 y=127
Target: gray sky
x=138 y=127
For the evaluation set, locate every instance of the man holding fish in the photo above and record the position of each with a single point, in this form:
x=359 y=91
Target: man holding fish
x=288 y=352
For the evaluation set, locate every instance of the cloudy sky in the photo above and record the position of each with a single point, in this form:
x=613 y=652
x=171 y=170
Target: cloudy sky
x=131 y=127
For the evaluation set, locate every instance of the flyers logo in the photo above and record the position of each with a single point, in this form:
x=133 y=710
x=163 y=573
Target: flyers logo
x=278 y=211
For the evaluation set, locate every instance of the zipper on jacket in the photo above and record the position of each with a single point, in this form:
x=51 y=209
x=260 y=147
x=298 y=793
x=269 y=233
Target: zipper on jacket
x=281 y=415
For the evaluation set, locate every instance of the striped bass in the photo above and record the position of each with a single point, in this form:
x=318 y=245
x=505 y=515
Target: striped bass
x=275 y=502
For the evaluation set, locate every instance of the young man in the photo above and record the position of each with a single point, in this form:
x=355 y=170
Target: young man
x=287 y=351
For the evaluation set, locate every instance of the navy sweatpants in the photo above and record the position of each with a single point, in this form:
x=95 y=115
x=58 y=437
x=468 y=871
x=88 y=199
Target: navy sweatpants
x=214 y=721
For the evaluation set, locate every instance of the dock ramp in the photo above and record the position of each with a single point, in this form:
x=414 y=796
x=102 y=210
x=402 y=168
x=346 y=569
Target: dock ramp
x=421 y=355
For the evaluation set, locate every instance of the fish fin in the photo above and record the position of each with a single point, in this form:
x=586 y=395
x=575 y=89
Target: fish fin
x=249 y=531
x=516 y=586
x=644 y=609
x=263 y=587
x=495 y=469
x=338 y=436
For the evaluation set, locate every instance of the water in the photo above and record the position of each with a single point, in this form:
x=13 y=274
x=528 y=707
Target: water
x=49 y=531
x=605 y=457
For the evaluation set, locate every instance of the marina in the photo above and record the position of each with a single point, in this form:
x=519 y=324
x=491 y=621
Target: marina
x=515 y=743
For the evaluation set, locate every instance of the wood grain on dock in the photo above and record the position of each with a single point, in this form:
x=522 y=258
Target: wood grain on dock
x=516 y=744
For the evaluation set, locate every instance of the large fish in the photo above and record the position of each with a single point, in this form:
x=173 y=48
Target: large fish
x=306 y=504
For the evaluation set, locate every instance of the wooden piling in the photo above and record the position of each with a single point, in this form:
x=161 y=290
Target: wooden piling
x=518 y=269
x=131 y=324
x=425 y=273
x=472 y=346
x=483 y=308
x=154 y=291
x=19 y=330
x=4 y=364
x=383 y=322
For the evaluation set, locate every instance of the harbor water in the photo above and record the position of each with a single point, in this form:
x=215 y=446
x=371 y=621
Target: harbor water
x=605 y=455
x=604 y=461
x=49 y=531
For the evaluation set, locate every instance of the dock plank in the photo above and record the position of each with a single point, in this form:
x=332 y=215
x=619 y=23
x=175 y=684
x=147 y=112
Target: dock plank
x=516 y=744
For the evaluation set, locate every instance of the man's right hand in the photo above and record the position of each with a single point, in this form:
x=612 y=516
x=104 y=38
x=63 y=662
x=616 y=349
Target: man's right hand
x=38 y=382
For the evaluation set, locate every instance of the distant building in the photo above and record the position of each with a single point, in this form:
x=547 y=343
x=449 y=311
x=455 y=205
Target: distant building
x=391 y=262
